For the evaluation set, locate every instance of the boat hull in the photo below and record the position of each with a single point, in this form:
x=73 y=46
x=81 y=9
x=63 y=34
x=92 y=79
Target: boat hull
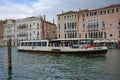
x=83 y=52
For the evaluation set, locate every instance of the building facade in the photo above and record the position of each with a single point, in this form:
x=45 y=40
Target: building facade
x=67 y=25
x=9 y=32
x=50 y=30
x=31 y=28
x=2 y=22
x=102 y=23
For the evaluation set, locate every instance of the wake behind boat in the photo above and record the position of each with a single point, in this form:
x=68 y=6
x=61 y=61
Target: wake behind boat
x=80 y=46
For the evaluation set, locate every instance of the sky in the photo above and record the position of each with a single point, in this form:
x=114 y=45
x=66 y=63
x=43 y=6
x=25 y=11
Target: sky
x=19 y=9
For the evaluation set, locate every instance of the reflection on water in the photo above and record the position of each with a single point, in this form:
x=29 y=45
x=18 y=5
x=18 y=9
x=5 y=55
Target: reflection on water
x=9 y=74
x=28 y=66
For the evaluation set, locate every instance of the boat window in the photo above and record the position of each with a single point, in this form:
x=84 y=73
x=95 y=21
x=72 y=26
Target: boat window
x=88 y=42
x=25 y=44
x=39 y=43
x=34 y=43
x=22 y=43
x=29 y=43
x=44 y=43
x=75 y=42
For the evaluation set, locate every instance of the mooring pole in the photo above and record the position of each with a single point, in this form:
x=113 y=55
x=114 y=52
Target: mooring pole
x=9 y=55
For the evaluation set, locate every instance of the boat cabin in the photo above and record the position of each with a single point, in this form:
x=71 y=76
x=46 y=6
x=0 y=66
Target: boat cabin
x=74 y=42
x=34 y=43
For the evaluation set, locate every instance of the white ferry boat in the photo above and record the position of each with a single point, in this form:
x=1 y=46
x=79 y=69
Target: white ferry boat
x=80 y=46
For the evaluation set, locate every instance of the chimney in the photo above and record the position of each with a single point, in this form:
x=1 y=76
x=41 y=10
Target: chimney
x=53 y=21
x=44 y=17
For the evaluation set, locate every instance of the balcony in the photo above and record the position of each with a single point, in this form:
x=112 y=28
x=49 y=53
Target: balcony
x=70 y=30
x=96 y=29
x=103 y=28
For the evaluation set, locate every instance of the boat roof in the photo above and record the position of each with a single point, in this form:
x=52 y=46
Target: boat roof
x=66 y=39
x=69 y=39
x=34 y=40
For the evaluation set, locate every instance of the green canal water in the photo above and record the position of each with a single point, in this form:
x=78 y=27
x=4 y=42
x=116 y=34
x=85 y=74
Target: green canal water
x=30 y=66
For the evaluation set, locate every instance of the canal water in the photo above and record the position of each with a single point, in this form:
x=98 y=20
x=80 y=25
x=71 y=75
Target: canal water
x=31 y=66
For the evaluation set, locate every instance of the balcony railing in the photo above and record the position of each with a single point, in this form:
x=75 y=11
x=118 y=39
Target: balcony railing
x=103 y=28
x=68 y=30
x=96 y=29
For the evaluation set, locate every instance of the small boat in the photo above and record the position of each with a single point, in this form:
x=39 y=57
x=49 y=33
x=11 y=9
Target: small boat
x=80 y=46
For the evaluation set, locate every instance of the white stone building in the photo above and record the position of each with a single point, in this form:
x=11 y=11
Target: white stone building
x=29 y=28
x=23 y=29
x=9 y=32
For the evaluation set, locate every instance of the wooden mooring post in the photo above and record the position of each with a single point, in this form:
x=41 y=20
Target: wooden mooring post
x=9 y=55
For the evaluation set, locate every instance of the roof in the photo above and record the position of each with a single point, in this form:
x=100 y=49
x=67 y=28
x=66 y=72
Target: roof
x=69 y=12
x=49 y=23
x=2 y=22
x=69 y=39
x=110 y=6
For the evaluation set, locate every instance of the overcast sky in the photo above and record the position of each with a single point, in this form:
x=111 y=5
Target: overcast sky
x=15 y=9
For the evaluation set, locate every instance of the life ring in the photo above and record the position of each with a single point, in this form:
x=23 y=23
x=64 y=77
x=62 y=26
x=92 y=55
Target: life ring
x=84 y=47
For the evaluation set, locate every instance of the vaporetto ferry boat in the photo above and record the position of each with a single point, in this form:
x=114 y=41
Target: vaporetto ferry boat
x=80 y=46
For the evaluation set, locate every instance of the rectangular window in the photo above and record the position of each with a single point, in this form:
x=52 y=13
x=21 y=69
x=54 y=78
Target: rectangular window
x=25 y=43
x=37 y=33
x=119 y=33
x=29 y=43
x=104 y=11
x=75 y=15
x=104 y=34
x=111 y=10
x=30 y=34
x=30 y=26
x=118 y=10
x=22 y=43
x=86 y=14
x=59 y=27
x=39 y=43
x=34 y=43
x=83 y=15
x=103 y=23
x=58 y=18
x=72 y=25
x=85 y=35
x=65 y=35
x=119 y=22
x=65 y=26
x=83 y=27
x=65 y=17
x=59 y=36
x=38 y=24
x=44 y=43
x=75 y=25
x=108 y=11
x=33 y=23
x=83 y=19
x=75 y=42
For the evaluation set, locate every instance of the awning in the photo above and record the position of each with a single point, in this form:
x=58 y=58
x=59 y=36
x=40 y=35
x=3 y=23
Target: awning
x=96 y=41
x=105 y=40
x=114 y=41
